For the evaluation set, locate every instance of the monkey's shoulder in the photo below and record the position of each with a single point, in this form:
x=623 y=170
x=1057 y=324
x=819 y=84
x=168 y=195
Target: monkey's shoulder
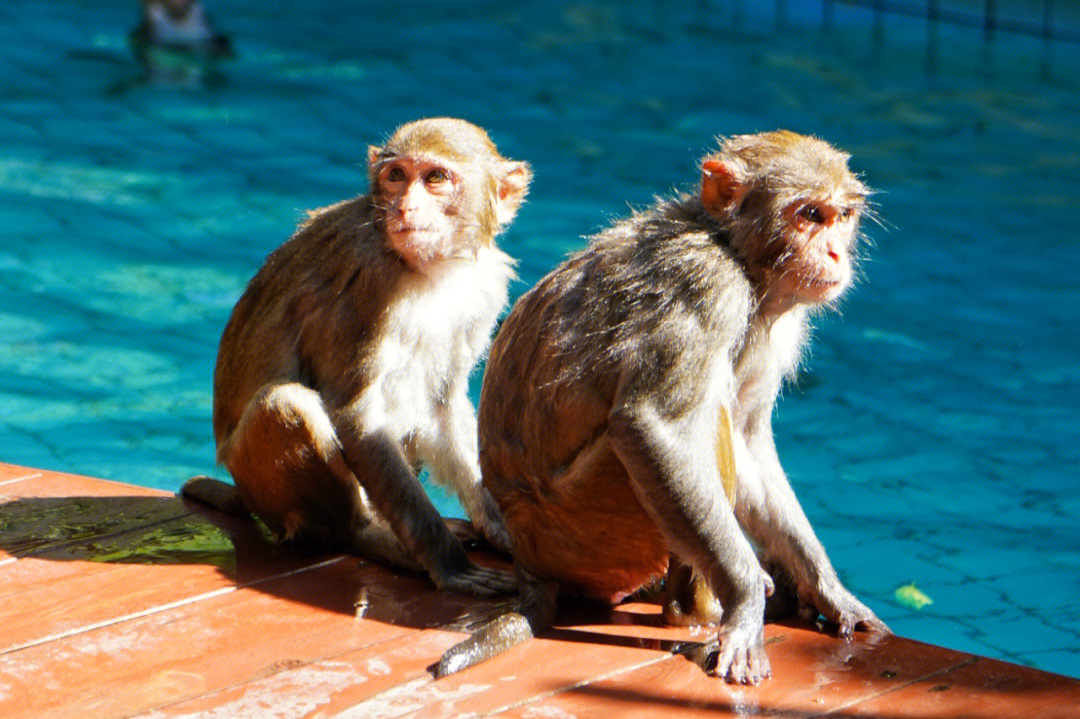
x=666 y=262
x=333 y=246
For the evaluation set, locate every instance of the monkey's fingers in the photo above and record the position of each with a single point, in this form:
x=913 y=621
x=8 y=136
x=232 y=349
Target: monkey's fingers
x=841 y=608
x=871 y=624
x=741 y=658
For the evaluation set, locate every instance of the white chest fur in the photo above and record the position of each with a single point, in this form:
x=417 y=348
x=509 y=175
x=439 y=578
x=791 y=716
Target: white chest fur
x=434 y=331
x=771 y=353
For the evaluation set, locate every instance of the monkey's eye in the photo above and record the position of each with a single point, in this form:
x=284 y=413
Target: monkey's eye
x=813 y=214
x=396 y=174
x=437 y=177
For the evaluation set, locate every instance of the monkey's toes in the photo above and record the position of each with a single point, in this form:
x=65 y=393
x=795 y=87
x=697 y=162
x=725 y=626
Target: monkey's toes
x=875 y=626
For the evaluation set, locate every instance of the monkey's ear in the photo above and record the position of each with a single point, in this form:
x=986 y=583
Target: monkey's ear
x=374 y=154
x=513 y=185
x=721 y=190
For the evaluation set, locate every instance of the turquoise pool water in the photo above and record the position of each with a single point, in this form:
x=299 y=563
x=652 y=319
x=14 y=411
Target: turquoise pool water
x=934 y=436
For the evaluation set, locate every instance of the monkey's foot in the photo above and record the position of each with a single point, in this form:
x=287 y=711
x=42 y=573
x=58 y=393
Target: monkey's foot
x=474 y=537
x=468 y=535
x=840 y=607
x=741 y=657
x=477 y=581
x=219 y=495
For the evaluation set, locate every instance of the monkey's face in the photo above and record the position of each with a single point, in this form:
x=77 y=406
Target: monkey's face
x=177 y=9
x=420 y=200
x=820 y=235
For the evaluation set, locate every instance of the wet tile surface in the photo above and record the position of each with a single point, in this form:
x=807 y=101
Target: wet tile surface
x=119 y=601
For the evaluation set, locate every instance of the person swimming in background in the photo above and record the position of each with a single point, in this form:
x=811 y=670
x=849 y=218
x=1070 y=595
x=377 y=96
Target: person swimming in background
x=177 y=41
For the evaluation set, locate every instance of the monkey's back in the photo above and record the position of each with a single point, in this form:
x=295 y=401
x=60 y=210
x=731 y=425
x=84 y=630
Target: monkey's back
x=553 y=376
x=296 y=320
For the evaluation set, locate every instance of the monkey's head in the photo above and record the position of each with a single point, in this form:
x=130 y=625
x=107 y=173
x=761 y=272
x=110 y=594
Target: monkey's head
x=792 y=208
x=442 y=190
x=177 y=9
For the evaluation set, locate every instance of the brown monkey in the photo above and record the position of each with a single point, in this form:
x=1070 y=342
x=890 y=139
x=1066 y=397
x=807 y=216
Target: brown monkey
x=625 y=418
x=344 y=365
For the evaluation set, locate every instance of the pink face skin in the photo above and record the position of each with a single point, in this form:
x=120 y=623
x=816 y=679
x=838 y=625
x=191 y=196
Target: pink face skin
x=419 y=208
x=823 y=233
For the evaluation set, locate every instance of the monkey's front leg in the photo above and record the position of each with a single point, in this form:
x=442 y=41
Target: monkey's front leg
x=454 y=460
x=672 y=469
x=773 y=517
x=378 y=462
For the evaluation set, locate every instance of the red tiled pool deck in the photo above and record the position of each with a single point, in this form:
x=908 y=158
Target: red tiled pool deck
x=121 y=601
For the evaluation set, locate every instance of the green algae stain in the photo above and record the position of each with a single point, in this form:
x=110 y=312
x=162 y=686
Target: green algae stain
x=194 y=542
x=912 y=597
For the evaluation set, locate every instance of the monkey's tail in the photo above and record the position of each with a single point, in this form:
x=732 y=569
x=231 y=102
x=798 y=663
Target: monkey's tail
x=495 y=637
x=533 y=614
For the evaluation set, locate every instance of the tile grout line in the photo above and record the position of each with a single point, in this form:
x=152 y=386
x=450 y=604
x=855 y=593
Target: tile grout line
x=283 y=671
x=900 y=687
x=163 y=608
x=13 y=480
x=583 y=683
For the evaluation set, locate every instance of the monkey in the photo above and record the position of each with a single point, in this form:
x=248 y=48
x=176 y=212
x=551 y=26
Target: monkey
x=176 y=39
x=625 y=417
x=344 y=365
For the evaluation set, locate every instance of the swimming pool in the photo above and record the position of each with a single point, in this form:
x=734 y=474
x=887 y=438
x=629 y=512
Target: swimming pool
x=934 y=436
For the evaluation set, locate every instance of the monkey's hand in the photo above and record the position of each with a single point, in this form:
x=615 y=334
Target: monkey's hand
x=839 y=606
x=741 y=657
x=478 y=581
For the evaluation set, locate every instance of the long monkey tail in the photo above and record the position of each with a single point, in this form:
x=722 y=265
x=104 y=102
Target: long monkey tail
x=533 y=614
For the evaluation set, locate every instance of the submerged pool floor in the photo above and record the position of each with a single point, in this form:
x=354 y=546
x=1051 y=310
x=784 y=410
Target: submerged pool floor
x=934 y=435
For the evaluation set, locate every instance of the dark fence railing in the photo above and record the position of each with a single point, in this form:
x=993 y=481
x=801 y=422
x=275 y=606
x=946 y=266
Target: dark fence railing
x=1036 y=19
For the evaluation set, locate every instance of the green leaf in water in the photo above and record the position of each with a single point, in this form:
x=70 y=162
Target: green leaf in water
x=912 y=597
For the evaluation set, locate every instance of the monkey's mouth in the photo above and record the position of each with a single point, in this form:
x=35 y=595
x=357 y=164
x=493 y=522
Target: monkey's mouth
x=823 y=283
x=413 y=230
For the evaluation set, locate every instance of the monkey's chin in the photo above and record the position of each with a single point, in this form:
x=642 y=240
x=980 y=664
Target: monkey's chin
x=822 y=291
x=419 y=247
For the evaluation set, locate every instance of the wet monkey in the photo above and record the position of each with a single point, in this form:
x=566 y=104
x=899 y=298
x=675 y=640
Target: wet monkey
x=344 y=364
x=179 y=24
x=625 y=419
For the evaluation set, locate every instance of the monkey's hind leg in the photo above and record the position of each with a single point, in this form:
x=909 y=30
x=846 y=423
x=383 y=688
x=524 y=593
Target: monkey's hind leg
x=533 y=614
x=286 y=460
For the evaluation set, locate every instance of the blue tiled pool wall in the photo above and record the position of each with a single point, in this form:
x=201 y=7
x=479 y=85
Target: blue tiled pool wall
x=933 y=435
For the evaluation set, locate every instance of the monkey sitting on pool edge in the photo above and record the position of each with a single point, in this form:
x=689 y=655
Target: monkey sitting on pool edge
x=345 y=362
x=626 y=412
